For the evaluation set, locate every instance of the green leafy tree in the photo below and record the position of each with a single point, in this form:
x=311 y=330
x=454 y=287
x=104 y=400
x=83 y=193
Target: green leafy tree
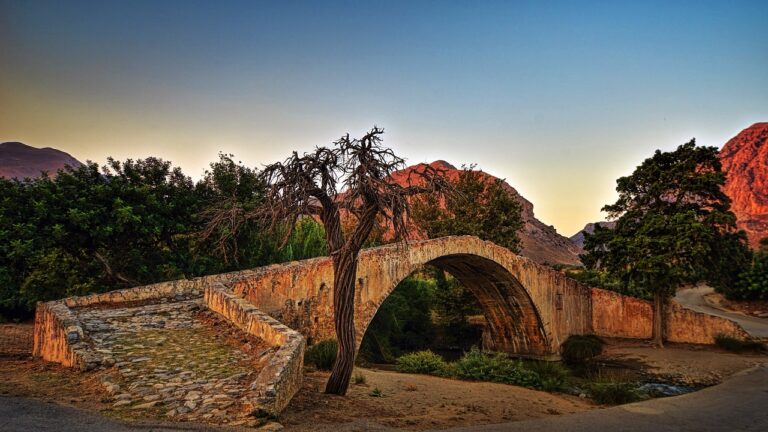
x=753 y=283
x=481 y=207
x=672 y=222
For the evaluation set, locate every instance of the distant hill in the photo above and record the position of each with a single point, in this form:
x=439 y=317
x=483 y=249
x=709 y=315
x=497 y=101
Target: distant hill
x=540 y=242
x=578 y=238
x=18 y=160
x=745 y=161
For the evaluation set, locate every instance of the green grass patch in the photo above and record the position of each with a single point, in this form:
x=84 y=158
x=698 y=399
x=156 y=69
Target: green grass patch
x=614 y=392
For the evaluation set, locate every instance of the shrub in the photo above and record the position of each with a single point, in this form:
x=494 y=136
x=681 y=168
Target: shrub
x=614 y=392
x=359 y=379
x=579 y=349
x=478 y=366
x=376 y=392
x=737 y=345
x=553 y=375
x=322 y=354
x=424 y=362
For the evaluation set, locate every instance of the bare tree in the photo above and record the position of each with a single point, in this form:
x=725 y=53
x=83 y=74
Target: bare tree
x=353 y=178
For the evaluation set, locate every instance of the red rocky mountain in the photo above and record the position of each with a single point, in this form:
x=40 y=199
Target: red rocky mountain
x=745 y=161
x=20 y=161
x=540 y=242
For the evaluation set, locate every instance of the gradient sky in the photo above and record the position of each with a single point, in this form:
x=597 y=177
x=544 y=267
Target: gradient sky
x=559 y=98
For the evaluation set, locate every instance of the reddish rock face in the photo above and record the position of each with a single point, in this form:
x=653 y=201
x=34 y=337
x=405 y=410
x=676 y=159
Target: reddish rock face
x=745 y=161
x=540 y=242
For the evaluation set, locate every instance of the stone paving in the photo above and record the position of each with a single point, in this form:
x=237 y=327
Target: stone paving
x=167 y=359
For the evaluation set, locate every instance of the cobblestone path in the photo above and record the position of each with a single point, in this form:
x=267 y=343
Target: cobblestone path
x=168 y=359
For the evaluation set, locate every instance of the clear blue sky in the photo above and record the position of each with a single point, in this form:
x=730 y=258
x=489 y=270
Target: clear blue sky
x=559 y=98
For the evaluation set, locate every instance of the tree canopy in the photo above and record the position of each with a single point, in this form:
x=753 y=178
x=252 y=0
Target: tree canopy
x=93 y=229
x=480 y=206
x=673 y=226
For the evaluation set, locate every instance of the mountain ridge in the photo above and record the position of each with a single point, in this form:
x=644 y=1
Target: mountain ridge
x=20 y=161
x=539 y=242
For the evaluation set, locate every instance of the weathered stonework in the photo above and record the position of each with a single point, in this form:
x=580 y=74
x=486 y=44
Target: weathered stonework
x=280 y=379
x=616 y=315
x=61 y=337
x=530 y=308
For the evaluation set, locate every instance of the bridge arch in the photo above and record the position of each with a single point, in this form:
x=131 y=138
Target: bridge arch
x=514 y=322
x=530 y=308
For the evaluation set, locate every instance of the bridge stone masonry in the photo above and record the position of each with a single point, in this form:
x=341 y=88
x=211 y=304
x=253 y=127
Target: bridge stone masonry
x=530 y=309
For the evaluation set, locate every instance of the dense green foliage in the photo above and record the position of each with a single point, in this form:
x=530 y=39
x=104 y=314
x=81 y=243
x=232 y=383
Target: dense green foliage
x=403 y=322
x=426 y=310
x=606 y=280
x=579 y=349
x=673 y=226
x=322 y=354
x=753 y=283
x=479 y=366
x=476 y=365
x=423 y=362
x=129 y=223
x=614 y=392
x=479 y=207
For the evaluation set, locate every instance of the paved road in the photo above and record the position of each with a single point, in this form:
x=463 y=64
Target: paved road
x=739 y=404
x=25 y=415
x=693 y=298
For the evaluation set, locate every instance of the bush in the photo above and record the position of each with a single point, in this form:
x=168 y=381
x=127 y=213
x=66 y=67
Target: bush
x=424 y=362
x=553 y=375
x=753 y=282
x=614 y=392
x=322 y=354
x=359 y=379
x=737 y=345
x=478 y=366
x=579 y=349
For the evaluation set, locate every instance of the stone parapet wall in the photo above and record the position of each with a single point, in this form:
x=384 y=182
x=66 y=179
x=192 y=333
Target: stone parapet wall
x=281 y=378
x=687 y=326
x=58 y=337
x=616 y=315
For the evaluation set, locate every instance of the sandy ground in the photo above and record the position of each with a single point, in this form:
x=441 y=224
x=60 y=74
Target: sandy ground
x=684 y=364
x=417 y=402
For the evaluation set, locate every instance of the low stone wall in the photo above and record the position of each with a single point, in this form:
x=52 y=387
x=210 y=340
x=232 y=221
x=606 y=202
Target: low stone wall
x=281 y=377
x=616 y=315
x=687 y=326
x=58 y=337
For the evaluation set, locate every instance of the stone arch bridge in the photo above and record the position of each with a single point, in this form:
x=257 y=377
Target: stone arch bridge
x=530 y=309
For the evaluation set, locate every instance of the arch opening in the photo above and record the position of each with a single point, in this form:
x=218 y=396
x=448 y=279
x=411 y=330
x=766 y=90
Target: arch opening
x=513 y=323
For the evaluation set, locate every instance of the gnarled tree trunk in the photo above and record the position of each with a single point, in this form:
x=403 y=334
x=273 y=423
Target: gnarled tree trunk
x=345 y=272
